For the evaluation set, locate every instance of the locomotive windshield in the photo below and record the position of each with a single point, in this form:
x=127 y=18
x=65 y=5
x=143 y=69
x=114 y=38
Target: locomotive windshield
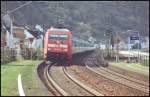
x=58 y=37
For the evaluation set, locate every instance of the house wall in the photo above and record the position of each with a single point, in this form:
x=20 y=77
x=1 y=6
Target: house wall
x=18 y=32
x=37 y=43
x=3 y=39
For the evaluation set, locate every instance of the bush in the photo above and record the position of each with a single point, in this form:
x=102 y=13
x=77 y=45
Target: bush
x=25 y=53
x=135 y=46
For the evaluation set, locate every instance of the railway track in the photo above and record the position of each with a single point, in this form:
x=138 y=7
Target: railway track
x=41 y=71
x=113 y=85
x=127 y=81
x=92 y=91
x=121 y=75
x=119 y=79
x=101 y=84
x=59 y=82
x=125 y=77
x=142 y=79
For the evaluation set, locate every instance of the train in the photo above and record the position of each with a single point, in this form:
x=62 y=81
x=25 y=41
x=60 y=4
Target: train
x=58 y=44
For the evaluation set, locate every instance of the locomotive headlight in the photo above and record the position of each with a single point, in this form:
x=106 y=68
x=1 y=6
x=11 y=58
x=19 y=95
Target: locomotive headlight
x=49 y=48
x=65 y=50
x=51 y=45
x=57 y=42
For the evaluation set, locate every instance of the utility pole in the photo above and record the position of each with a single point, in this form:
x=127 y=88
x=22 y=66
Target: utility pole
x=129 y=49
x=108 y=37
x=57 y=8
x=117 y=58
x=138 y=47
x=31 y=40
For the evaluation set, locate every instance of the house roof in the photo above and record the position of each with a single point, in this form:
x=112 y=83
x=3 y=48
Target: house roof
x=2 y=29
x=16 y=27
x=28 y=34
x=34 y=32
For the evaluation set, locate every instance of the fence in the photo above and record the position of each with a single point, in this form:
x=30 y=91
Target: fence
x=30 y=53
x=142 y=59
x=7 y=55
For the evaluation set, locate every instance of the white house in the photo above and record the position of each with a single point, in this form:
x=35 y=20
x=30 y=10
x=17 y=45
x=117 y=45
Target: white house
x=36 y=43
x=145 y=42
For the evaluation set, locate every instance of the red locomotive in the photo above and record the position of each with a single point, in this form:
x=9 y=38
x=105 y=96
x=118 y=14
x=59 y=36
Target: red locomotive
x=57 y=44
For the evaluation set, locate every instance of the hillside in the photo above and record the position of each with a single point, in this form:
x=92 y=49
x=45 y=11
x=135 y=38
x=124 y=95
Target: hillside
x=83 y=18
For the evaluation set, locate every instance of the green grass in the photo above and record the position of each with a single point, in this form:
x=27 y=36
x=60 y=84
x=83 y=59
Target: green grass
x=9 y=76
x=135 y=67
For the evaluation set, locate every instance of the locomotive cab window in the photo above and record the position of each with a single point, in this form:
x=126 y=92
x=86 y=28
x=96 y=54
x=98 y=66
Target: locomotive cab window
x=58 y=37
x=63 y=37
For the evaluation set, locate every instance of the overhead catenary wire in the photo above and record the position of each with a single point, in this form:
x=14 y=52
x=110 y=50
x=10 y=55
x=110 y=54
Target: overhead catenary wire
x=8 y=12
